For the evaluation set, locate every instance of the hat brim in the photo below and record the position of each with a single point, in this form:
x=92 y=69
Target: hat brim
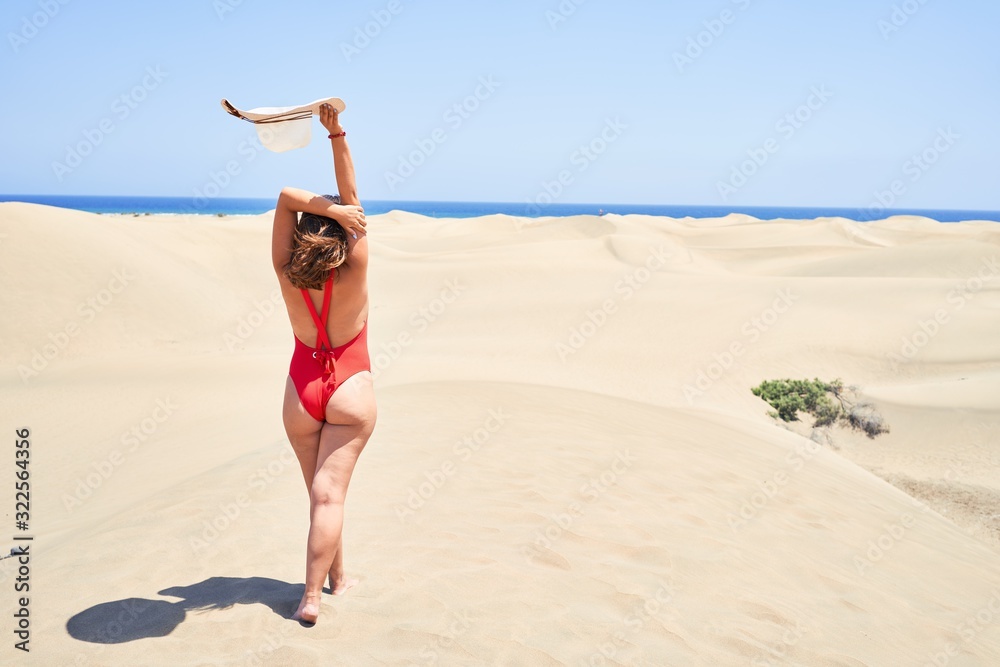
x=275 y=113
x=284 y=128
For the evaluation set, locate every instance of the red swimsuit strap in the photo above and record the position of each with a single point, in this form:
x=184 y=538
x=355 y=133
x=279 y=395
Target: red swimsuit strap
x=321 y=338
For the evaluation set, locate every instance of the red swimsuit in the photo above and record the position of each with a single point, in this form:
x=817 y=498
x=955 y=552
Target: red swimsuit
x=316 y=372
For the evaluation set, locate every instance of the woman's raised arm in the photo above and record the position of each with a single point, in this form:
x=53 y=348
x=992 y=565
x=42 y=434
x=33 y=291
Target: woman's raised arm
x=343 y=165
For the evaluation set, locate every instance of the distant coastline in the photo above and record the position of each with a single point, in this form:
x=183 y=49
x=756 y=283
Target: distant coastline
x=224 y=206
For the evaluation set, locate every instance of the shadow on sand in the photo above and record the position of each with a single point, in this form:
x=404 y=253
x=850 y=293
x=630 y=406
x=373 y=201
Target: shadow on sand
x=138 y=618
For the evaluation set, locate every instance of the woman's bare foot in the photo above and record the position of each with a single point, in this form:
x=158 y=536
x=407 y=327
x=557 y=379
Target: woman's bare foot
x=308 y=610
x=341 y=585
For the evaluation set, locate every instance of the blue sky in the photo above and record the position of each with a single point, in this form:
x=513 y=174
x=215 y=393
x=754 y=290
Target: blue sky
x=743 y=102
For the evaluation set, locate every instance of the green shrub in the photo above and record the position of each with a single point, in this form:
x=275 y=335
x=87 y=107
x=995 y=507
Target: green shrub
x=826 y=401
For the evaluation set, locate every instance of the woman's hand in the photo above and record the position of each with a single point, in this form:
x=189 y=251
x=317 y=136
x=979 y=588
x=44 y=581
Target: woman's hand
x=330 y=118
x=295 y=200
x=352 y=219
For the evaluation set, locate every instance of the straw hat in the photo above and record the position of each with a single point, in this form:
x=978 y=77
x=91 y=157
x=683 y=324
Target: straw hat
x=284 y=128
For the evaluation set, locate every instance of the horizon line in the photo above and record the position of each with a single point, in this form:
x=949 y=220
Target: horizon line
x=9 y=198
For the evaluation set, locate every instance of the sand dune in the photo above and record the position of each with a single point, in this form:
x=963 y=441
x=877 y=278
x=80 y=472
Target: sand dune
x=569 y=466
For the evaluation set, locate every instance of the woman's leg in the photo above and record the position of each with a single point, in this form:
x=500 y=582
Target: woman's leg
x=303 y=432
x=351 y=415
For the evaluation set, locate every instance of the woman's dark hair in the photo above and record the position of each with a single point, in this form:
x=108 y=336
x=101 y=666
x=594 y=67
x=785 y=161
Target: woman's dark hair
x=319 y=246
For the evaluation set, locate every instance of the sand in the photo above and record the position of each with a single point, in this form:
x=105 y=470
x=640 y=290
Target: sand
x=569 y=466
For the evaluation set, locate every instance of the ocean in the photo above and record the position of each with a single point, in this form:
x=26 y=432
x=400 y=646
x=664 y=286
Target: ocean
x=439 y=209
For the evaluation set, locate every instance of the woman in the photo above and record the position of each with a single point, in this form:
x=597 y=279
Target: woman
x=329 y=409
